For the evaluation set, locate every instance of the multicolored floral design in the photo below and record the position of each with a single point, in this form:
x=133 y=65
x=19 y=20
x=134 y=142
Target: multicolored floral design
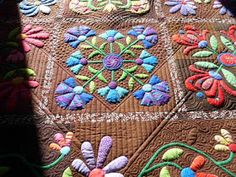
x=29 y=8
x=222 y=9
x=114 y=62
x=215 y=80
x=96 y=167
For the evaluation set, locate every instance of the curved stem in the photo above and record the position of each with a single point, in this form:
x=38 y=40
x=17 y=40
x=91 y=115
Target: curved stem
x=227 y=161
x=218 y=164
x=92 y=78
x=111 y=48
x=219 y=69
x=95 y=47
x=131 y=75
x=213 y=51
x=130 y=45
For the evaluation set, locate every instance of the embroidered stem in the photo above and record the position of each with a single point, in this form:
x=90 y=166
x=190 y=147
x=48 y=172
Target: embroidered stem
x=153 y=158
x=111 y=48
x=213 y=51
x=92 y=78
x=130 y=45
x=95 y=62
x=135 y=78
x=112 y=75
x=219 y=69
x=95 y=47
x=46 y=167
x=227 y=161
x=129 y=61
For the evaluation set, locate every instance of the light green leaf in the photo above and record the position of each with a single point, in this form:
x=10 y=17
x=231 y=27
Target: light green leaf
x=121 y=46
x=207 y=1
x=92 y=87
x=123 y=76
x=93 y=54
x=172 y=154
x=137 y=46
x=67 y=173
x=130 y=53
x=22 y=72
x=164 y=172
x=94 y=40
x=230 y=77
x=102 y=3
x=102 y=78
x=81 y=77
x=133 y=69
x=117 y=2
x=227 y=43
x=128 y=40
x=198 y=1
x=202 y=54
x=86 y=46
x=103 y=46
x=131 y=84
x=214 y=42
x=92 y=70
x=142 y=76
x=205 y=64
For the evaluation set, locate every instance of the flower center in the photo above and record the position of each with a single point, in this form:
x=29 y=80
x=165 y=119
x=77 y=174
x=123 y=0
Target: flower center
x=17 y=80
x=97 y=173
x=82 y=38
x=111 y=39
x=147 y=87
x=23 y=36
x=141 y=37
x=78 y=89
x=227 y=59
x=113 y=62
x=139 y=61
x=112 y=85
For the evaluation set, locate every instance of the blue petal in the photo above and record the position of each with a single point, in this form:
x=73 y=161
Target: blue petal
x=150 y=60
x=139 y=94
x=191 y=10
x=75 y=44
x=187 y=172
x=69 y=38
x=91 y=33
x=147 y=44
x=86 y=97
x=76 y=103
x=72 y=61
x=162 y=86
x=103 y=91
x=160 y=98
x=64 y=100
x=122 y=91
x=154 y=80
x=75 y=69
x=184 y=10
x=148 y=67
x=148 y=99
x=175 y=8
x=63 y=88
x=144 y=54
x=49 y=2
x=113 y=96
x=71 y=82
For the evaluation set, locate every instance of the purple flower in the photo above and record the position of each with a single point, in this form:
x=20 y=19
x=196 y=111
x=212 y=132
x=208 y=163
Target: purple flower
x=147 y=35
x=76 y=35
x=223 y=10
x=96 y=167
x=185 y=6
x=76 y=62
x=156 y=92
x=71 y=96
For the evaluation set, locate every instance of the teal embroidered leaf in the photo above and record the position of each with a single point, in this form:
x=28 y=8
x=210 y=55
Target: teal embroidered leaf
x=214 y=42
x=205 y=64
x=141 y=76
x=131 y=84
x=227 y=43
x=202 y=54
x=172 y=154
x=94 y=40
x=92 y=87
x=230 y=77
x=121 y=46
x=81 y=77
x=92 y=70
x=13 y=34
x=164 y=172
x=137 y=47
x=123 y=76
x=133 y=69
x=93 y=54
x=102 y=78
x=130 y=53
x=23 y=72
x=128 y=40
x=86 y=46
x=67 y=173
x=103 y=46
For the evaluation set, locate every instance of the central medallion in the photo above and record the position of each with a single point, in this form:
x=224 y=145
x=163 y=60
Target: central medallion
x=113 y=62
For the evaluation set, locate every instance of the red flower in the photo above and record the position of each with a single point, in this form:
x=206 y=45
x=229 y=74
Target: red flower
x=191 y=37
x=209 y=84
x=231 y=33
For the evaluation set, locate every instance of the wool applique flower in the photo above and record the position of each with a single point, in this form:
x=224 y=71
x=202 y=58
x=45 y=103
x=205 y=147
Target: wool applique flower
x=111 y=35
x=223 y=10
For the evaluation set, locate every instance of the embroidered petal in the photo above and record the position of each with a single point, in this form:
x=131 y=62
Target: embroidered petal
x=114 y=175
x=154 y=80
x=116 y=164
x=139 y=94
x=80 y=166
x=103 y=91
x=175 y=8
x=113 y=96
x=87 y=151
x=103 y=151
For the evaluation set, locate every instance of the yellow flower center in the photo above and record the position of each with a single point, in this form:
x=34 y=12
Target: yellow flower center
x=23 y=36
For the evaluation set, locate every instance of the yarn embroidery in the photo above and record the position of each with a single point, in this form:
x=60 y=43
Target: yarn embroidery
x=70 y=95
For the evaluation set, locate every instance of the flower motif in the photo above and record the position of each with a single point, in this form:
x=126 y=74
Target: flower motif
x=225 y=141
x=31 y=9
x=95 y=167
x=147 y=61
x=15 y=56
x=79 y=7
x=147 y=35
x=231 y=33
x=185 y=6
x=191 y=37
x=76 y=62
x=71 y=96
x=223 y=10
x=156 y=92
x=109 y=7
x=227 y=59
x=76 y=35
x=112 y=92
x=111 y=35
x=140 y=6
x=197 y=164
x=209 y=84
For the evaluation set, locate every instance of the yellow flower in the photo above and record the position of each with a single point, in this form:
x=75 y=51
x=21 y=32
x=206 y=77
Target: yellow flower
x=110 y=7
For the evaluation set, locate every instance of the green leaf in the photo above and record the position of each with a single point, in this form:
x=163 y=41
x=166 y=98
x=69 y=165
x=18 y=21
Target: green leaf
x=102 y=78
x=67 y=173
x=102 y=3
x=198 y=1
x=130 y=53
x=13 y=34
x=230 y=77
x=205 y=64
x=81 y=77
x=164 y=172
x=227 y=43
x=86 y=46
x=202 y=54
x=123 y=76
x=133 y=69
x=92 y=70
x=131 y=84
x=172 y=154
x=92 y=87
x=128 y=40
x=214 y=42
x=23 y=72
x=94 y=40
x=103 y=46
x=142 y=76
x=117 y=2
x=207 y=1
x=93 y=54
x=137 y=46
x=121 y=46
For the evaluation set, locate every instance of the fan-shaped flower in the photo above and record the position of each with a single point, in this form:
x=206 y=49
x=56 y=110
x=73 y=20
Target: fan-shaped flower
x=79 y=7
x=147 y=35
x=76 y=62
x=192 y=38
x=147 y=61
x=32 y=8
x=223 y=10
x=112 y=92
x=95 y=167
x=185 y=6
x=76 y=35
x=71 y=96
x=111 y=35
x=156 y=92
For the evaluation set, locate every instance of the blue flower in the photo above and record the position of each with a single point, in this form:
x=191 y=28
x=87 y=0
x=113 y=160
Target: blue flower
x=223 y=10
x=111 y=35
x=76 y=62
x=148 y=36
x=71 y=96
x=112 y=92
x=156 y=92
x=147 y=61
x=32 y=8
x=76 y=35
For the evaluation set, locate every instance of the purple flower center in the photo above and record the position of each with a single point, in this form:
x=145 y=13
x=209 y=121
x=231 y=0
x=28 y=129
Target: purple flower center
x=110 y=39
x=113 y=62
x=112 y=85
x=139 y=61
x=84 y=61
